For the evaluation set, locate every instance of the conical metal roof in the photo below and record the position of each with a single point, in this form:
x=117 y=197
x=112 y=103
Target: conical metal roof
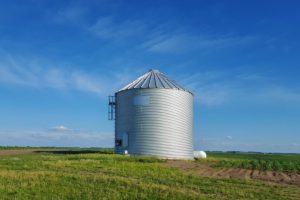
x=154 y=79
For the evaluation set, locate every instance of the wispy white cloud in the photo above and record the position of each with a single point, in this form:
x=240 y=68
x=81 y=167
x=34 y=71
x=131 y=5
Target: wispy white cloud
x=211 y=95
x=73 y=14
x=109 y=28
x=251 y=77
x=152 y=35
x=217 y=87
x=229 y=137
x=211 y=88
x=40 y=74
x=163 y=37
x=281 y=93
x=174 y=42
x=60 y=128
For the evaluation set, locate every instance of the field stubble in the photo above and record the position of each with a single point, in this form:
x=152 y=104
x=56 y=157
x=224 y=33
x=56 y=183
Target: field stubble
x=54 y=175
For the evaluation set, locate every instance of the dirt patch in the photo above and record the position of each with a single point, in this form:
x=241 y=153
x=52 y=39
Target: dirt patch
x=15 y=152
x=204 y=169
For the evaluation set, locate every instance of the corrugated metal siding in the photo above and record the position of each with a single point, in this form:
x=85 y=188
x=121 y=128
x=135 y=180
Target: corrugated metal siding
x=163 y=128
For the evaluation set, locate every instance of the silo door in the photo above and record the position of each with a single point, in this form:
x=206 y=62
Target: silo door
x=122 y=139
x=125 y=139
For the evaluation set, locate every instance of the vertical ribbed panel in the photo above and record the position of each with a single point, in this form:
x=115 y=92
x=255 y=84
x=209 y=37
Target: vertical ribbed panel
x=161 y=125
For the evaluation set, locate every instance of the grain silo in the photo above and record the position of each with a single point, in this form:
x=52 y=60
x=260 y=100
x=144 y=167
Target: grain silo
x=153 y=116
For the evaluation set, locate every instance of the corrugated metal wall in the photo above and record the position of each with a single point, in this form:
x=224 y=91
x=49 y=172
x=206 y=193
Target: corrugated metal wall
x=159 y=122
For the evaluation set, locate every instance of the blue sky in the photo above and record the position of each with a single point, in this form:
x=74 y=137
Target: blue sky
x=59 y=60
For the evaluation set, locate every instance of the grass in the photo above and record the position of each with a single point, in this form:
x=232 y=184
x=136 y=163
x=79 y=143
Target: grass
x=273 y=162
x=106 y=176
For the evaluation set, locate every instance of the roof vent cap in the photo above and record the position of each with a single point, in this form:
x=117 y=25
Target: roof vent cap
x=153 y=70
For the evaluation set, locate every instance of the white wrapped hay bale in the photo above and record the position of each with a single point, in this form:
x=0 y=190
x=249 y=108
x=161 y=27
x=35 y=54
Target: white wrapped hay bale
x=199 y=154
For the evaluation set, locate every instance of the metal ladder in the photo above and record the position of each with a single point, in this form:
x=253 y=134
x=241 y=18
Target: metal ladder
x=111 y=107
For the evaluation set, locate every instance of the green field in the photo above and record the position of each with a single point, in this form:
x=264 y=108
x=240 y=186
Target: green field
x=107 y=176
x=273 y=162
